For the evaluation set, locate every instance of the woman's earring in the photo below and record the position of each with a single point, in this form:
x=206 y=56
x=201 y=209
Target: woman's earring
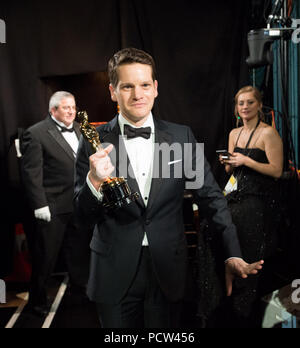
x=238 y=120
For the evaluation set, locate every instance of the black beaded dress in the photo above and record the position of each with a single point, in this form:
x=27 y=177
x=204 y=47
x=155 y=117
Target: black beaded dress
x=255 y=211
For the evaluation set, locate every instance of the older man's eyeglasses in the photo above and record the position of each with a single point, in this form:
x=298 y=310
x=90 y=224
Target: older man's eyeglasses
x=69 y=108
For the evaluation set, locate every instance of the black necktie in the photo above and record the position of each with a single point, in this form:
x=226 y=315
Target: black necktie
x=137 y=132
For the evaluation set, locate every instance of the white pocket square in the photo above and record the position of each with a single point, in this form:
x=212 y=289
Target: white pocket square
x=173 y=162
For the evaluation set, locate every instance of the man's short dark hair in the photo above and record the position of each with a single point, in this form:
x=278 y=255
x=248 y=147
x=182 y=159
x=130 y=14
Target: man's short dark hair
x=128 y=55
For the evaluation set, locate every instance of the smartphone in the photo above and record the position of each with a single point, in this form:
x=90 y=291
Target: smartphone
x=224 y=153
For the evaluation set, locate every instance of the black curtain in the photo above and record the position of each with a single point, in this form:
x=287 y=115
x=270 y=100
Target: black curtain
x=199 y=47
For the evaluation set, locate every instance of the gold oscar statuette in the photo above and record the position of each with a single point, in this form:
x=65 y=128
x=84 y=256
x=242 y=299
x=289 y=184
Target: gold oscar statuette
x=116 y=192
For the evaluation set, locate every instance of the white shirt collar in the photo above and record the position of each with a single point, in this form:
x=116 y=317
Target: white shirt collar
x=148 y=123
x=61 y=123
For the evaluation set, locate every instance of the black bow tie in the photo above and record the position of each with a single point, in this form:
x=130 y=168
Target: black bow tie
x=137 y=132
x=65 y=129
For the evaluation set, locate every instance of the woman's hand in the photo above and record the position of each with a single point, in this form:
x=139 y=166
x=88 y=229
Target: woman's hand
x=236 y=160
x=221 y=159
x=228 y=166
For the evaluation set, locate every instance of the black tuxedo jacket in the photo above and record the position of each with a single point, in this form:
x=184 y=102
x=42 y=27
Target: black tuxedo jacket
x=117 y=240
x=47 y=167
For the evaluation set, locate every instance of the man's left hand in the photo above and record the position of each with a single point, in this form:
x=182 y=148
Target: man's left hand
x=238 y=267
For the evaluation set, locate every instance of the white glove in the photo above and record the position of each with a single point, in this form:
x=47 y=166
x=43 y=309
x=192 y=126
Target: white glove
x=18 y=148
x=43 y=214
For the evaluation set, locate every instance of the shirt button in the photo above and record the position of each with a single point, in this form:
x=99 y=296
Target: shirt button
x=146 y=198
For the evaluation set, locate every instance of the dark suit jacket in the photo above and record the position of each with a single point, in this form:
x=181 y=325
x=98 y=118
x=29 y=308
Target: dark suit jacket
x=48 y=167
x=117 y=239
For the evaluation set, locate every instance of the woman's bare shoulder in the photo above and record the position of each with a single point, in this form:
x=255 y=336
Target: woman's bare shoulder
x=235 y=131
x=268 y=130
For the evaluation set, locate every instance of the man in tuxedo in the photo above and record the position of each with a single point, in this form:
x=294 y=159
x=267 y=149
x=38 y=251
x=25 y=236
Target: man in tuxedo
x=139 y=251
x=48 y=158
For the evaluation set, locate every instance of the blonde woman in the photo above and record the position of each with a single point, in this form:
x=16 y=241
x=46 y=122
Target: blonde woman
x=256 y=161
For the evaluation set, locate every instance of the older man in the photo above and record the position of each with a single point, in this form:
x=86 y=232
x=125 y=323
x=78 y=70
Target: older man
x=49 y=149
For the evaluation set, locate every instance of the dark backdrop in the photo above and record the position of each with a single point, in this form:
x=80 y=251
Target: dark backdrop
x=199 y=47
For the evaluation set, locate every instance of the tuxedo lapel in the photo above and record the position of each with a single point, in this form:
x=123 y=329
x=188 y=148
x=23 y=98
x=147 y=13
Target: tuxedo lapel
x=77 y=130
x=161 y=136
x=57 y=136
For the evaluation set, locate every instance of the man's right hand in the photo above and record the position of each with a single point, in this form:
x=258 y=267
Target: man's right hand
x=43 y=214
x=100 y=167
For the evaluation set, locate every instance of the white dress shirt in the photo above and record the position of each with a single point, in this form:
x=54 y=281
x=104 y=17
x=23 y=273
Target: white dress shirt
x=140 y=153
x=71 y=138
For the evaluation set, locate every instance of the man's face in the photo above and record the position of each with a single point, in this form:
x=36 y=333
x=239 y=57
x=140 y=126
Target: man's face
x=66 y=111
x=135 y=92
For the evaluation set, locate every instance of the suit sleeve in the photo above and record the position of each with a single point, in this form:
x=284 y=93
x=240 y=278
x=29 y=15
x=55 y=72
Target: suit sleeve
x=88 y=208
x=211 y=201
x=32 y=170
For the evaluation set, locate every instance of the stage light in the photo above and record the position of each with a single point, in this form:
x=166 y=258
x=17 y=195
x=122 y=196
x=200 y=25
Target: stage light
x=260 y=40
x=260 y=46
